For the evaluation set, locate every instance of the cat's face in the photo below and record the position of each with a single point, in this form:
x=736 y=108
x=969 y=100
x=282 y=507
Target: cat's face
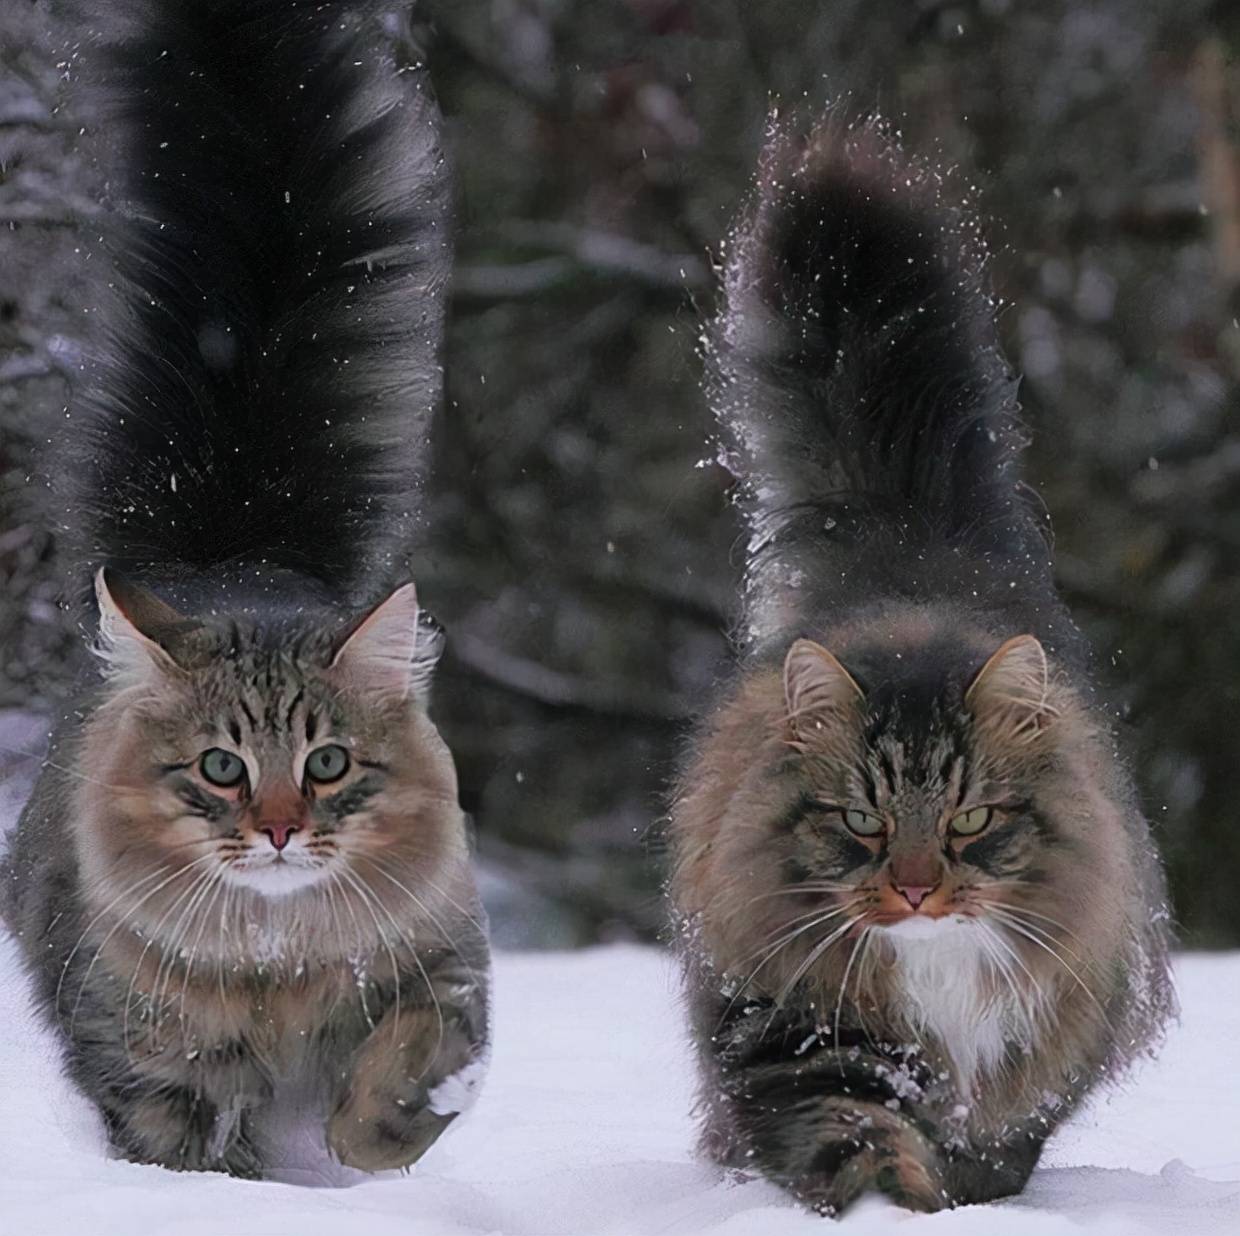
x=291 y=767
x=909 y=807
x=820 y=815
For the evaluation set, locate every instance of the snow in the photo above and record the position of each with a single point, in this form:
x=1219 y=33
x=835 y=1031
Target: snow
x=459 y=1092
x=583 y=1128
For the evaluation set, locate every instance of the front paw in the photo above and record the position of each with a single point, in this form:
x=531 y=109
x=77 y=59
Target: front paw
x=413 y=1075
x=379 y=1134
x=905 y=1181
x=856 y=1148
x=894 y=1166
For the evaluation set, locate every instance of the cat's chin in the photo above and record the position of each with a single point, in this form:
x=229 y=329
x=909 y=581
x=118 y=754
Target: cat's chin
x=276 y=879
x=923 y=927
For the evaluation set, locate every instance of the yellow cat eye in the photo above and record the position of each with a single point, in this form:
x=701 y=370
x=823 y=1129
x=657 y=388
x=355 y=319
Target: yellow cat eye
x=863 y=823
x=970 y=823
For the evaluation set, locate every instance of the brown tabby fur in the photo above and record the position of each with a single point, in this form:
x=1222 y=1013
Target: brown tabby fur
x=743 y=884
x=918 y=908
x=350 y=972
x=236 y=958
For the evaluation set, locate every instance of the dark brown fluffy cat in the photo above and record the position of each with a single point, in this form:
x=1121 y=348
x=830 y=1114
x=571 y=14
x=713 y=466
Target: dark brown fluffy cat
x=919 y=909
x=242 y=884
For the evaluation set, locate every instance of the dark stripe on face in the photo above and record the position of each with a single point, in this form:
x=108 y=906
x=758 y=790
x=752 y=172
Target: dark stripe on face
x=796 y=872
x=793 y=815
x=249 y=716
x=871 y=786
x=947 y=767
x=199 y=800
x=351 y=799
x=992 y=850
x=888 y=770
x=849 y=854
x=1036 y=875
x=966 y=785
x=292 y=708
x=1043 y=826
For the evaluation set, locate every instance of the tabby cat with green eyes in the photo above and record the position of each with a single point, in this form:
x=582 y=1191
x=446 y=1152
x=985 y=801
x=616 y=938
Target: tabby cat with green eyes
x=242 y=885
x=244 y=888
x=918 y=907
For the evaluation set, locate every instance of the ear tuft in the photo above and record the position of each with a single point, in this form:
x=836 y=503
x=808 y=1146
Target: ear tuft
x=378 y=653
x=135 y=630
x=818 y=690
x=427 y=652
x=1010 y=693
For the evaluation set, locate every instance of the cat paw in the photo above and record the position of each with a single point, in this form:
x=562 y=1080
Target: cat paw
x=380 y=1136
x=179 y=1132
x=900 y=1176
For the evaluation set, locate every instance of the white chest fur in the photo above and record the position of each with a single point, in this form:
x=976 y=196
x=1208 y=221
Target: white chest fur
x=949 y=976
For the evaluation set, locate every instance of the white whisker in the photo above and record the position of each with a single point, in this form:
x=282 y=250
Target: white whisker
x=123 y=921
x=814 y=954
x=130 y=888
x=1022 y=929
x=153 y=941
x=423 y=908
x=839 y=1003
x=370 y=901
x=784 y=942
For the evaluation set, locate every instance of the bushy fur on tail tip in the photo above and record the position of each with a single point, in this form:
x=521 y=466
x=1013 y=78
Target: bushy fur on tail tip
x=857 y=357
x=842 y=216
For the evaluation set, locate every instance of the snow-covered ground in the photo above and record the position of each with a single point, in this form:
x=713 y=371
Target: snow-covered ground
x=584 y=1129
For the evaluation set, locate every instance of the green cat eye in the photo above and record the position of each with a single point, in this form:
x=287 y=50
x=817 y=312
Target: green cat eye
x=328 y=763
x=970 y=823
x=863 y=823
x=222 y=768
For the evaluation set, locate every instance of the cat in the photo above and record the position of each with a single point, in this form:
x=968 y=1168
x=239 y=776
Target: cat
x=242 y=883
x=919 y=912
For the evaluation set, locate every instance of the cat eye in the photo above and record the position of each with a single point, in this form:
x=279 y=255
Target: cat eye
x=970 y=823
x=222 y=768
x=863 y=823
x=328 y=763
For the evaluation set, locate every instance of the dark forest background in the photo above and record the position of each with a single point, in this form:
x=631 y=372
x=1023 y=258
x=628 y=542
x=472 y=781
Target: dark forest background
x=584 y=554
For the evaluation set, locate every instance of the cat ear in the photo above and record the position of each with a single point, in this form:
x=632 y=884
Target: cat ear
x=817 y=688
x=378 y=653
x=135 y=629
x=426 y=654
x=1010 y=691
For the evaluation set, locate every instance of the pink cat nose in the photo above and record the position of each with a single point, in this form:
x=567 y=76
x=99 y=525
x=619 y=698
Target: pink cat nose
x=280 y=833
x=915 y=894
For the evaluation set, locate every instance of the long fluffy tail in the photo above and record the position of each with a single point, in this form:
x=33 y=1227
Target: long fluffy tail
x=277 y=238
x=856 y=369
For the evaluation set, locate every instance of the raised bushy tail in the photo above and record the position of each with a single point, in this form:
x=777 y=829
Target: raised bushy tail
x=856 y=369
x=275 y=250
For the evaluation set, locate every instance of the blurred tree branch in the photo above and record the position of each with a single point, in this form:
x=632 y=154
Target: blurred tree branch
x=557 y=690
x=580 y=546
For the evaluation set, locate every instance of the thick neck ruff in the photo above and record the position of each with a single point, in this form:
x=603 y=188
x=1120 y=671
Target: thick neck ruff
x=949 y=983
